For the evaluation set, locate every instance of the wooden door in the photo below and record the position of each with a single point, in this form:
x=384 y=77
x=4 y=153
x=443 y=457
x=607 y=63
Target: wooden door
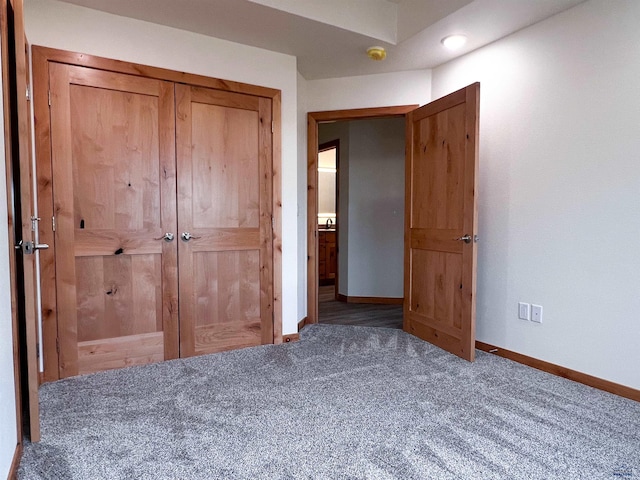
x=224 y=158
x=21 y=205
x=114 y=194
x=441 y=222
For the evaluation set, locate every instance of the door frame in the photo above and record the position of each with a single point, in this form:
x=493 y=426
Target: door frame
x=313 y=119
x=41 y=56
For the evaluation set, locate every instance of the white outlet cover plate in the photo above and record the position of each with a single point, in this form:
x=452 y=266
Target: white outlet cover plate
x=536 y=313
x=523 y=311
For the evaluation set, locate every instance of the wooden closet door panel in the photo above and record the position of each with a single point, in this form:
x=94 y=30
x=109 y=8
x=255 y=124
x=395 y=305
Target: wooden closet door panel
x=224 y=202
x=113 y=164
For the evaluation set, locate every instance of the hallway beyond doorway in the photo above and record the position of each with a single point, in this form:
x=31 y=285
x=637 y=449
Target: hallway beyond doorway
x=362 y=314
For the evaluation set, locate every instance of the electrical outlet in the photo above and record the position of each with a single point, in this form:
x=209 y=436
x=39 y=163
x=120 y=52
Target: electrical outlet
x=536 y=313
x=523 y=311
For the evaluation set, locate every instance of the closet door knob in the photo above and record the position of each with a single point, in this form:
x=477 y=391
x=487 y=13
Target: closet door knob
x=186 y=236
x=167 y=237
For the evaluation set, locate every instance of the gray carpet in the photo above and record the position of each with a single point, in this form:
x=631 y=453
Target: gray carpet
x=343 y=403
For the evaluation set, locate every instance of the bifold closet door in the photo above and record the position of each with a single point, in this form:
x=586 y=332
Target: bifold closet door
x=224 y=164
x=113 y=165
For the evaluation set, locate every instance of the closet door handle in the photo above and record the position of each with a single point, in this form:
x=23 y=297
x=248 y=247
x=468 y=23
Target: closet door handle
x=167 y=237
x=467 y=239
x=186 y=236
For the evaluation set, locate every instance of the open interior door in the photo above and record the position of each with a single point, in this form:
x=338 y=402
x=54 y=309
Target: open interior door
x=441 y=222
x=19 y=169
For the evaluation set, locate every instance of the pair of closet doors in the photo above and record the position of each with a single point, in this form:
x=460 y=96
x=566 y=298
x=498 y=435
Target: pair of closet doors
x=162 y=218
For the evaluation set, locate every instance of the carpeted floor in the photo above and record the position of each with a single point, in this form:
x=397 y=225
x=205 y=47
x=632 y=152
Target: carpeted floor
x=343 y=403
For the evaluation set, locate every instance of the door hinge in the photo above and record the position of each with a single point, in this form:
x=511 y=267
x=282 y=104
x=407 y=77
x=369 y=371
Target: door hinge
x=37 y=350
x=273 y=223
x=49 y=95
x=272 y=127
x=28 y=95
x=57 y=345
x=34 y=223
x=53 y=223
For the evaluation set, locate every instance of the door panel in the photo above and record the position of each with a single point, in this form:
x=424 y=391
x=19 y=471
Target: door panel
x=440 y=269
x=21 y=215
x=224 y=202
x=114 y=198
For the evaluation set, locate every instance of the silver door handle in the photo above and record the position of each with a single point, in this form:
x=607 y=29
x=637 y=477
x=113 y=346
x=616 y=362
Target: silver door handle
x=186 y=236
x=167 y=237
x=30 y=247
x=465 y=239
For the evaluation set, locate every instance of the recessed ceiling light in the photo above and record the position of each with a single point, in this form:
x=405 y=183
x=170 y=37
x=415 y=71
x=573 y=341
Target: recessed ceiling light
x=454 y=42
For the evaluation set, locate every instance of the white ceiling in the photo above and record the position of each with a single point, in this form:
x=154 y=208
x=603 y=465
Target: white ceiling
x=330 y=37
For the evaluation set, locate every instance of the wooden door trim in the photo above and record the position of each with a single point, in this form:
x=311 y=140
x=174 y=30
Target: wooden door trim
x=276 y=211
x=119 y=66
x=44 y=175
x=313 y=119
x=41 y=57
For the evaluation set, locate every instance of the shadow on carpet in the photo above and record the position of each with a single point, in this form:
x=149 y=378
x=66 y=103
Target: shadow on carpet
x=344 y=402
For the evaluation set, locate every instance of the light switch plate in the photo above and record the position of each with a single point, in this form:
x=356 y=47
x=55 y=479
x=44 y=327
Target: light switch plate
x=523 y=311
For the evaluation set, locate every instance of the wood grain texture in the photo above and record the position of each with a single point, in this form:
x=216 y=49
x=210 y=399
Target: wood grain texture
x=62 y=170
x=118 y=296
x=266 y=222
x=276 y=165
x=362 y=113
x=441 y=202
x=313 y=254
x=21 y=157
x=327 y=258
x=247 y=95
x=563 y=372
x=169 y=222
x=224 y=162
x=101 y=63
x=45 y=210
x=124 y=351
x=112 y=166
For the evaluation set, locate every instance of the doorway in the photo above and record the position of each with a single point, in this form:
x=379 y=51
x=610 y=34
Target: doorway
x=344 y=308
x=370 y=230
x=440 y=229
